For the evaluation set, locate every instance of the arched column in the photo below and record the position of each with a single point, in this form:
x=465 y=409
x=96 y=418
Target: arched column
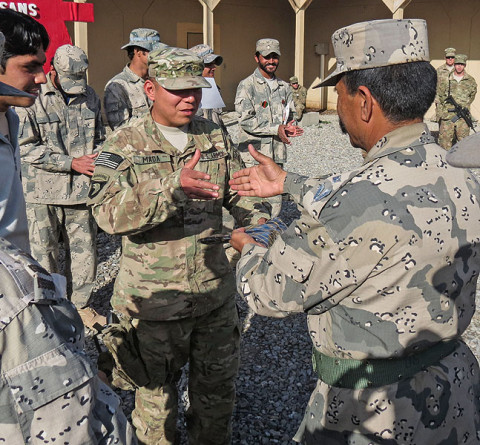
x=208 y=7
x=397 y=7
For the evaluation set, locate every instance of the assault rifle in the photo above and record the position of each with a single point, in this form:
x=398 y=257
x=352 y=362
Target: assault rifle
x=460 y=112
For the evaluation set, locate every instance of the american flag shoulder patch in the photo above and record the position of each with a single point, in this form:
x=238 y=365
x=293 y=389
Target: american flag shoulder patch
x=109 y=160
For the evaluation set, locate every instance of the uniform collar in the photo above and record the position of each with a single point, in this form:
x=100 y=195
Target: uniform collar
x=131 y=76
x=262 y=79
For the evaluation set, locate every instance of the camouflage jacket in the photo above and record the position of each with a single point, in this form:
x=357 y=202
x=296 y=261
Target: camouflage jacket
x=384 y=260
x=51 y=134
x=299 y=96
x=261 y=111
x=125 y=98
x=165 y=272
x=463 y=92
x=13 y=217
x=49 y=391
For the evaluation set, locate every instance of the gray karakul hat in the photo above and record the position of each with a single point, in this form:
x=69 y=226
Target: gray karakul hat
x=268 y=46
x=145 y=38
x=378 y=43
x=465 y=153
x=205 y=52
x=7 y=90
x=176 y=69
x=71 y=63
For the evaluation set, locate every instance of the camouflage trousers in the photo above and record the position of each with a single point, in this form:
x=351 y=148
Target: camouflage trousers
x=77 y=228
x=210 y=343
x=450 y=132
x=299 y=109
x=439 y=405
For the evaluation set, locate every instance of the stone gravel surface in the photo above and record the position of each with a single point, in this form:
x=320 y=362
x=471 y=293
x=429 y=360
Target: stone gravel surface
x=276 y=377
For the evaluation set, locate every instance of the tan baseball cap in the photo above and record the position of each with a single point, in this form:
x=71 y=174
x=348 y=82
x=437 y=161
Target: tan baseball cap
x=268 y=46
x=450 y=52
x=378 y=43
x=71 y=63
x=176 y=69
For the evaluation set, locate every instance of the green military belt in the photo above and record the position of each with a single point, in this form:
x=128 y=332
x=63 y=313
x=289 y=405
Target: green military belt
x=360 y=374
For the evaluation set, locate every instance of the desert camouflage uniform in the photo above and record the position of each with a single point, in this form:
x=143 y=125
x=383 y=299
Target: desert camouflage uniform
x=177 y=292
x=125 y=98
x=384 y=260
x=49 y=391
x=261 y=111
x=464 y=93
x=299 y=99
x=51 y=134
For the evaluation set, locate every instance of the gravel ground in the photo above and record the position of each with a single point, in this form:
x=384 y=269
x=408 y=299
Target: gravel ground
x=276 y=377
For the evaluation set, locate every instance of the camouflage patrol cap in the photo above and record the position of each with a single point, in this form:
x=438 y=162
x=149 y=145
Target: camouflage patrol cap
x=71 y=63
x=145 y=38
x=450 y=52
x=293 y=79
x=176 y=69
x=205 y=52
x=465 y=153
x=461 y=58
x=268 y=46
x=378 y=43
x=7 y=90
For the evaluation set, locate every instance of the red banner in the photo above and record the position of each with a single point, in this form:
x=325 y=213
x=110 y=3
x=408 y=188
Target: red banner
x=53 y=14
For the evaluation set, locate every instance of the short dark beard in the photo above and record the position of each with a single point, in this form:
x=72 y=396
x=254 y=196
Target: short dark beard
x=342 y=126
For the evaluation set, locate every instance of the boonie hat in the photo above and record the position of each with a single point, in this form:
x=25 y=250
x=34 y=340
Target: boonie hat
x=71 y=63
x=465 y=153
x=176 y=69
x=145 y=38
x=7 y=90
x=294 y=79
x=461 y=58
x=378 y=43
x=268 y=46
x=450 y=52
x=205 y=52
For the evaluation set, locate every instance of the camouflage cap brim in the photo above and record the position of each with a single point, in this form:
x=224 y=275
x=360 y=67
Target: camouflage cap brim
x=378 y=43
x=7 y=90
x=211 y=58
x=466 y=153
x=183 y=83
x=73 y=84
x=147 y=46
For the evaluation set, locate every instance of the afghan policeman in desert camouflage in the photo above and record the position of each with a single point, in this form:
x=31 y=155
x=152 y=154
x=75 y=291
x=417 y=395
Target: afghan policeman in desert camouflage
x=463 y=88
x=124 y=97
x=384 y=259
x=265 y=107
x=299 y=94
x=161 y=182
x=59 y=137
x=50 y=390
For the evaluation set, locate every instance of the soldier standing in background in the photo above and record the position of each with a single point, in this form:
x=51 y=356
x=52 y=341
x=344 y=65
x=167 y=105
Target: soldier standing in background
x=175 y=295
x=299 y=93
x=463 y=88
x=59 y=136
x=21 y=66
x=442 y=74
x=124 y=97
x=384 y=259
x=264 y=104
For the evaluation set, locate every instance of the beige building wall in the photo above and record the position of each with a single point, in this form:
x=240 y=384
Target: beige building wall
x=239 y=23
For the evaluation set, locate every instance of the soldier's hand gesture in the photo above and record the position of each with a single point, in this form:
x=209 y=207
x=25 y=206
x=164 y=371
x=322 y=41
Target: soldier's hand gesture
x=194 y=183
x=85 y=164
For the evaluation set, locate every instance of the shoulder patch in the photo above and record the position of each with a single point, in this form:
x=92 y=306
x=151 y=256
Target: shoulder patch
x=109 y=160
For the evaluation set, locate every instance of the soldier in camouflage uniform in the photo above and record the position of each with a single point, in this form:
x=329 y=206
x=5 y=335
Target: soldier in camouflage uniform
x=124 y=97
x=463 y=88
x=151 y=185
x=442 y=74
x=49 y=390
x=59 y=136
x=299 y=94
x=384 y=259
x=264 y=104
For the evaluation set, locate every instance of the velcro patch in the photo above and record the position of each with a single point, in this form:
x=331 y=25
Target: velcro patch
x=213 y=156
x=152 y=159
x=109 y=160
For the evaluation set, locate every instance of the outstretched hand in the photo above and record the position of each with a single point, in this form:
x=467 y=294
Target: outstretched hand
x=264 y=180
x=194 y=183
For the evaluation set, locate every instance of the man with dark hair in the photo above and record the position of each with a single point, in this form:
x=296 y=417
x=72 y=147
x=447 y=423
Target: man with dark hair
x=21 y=67
x=125 y=98
x=384 y=259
